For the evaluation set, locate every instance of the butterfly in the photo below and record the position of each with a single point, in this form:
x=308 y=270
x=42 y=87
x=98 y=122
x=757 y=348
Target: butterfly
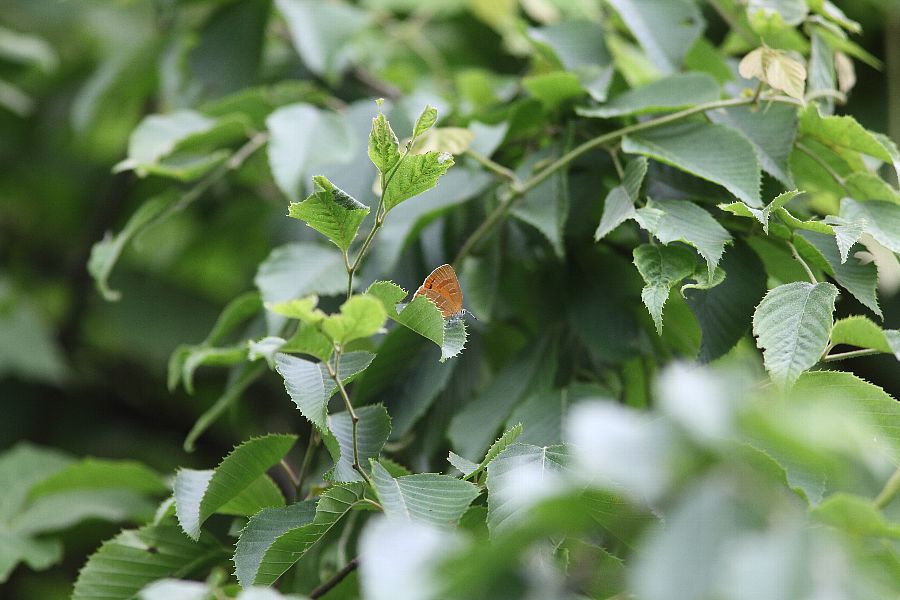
x=442 y=288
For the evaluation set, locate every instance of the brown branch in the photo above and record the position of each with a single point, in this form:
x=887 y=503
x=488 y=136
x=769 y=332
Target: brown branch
x=335 y=580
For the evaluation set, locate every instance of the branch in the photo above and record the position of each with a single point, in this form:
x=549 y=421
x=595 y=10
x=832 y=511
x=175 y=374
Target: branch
x=335 y=579
x=851 y=354
x=380 y=213
x=354 y=418
x=890 y=490
x=490 y=165
x=311 y=446
x=517 y=190
x=809 y=273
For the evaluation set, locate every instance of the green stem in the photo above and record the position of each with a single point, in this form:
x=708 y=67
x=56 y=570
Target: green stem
x=850 y=354
x=380 y=213
x=890 y=490
x=490 y=165
x=295 y=481
x=798 y=258
x=517 y=190
x=311 y=446
x=354 y=418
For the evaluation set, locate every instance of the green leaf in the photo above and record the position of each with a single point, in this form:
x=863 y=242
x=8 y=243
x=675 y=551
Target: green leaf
x=360 y=317
x=576 y=47
x=384 y=149
x=373 y=430
x=422 y=316
x=389 y=294
x=618 y=206
x=426 y=121
x=869 y=186
x=661 y=267
x=240 y=379
x=105 y=253
x=192 y=357
x=331 y=212
x=512 y=476
x=470 y=469
x=311 y=387
x=199 y=494
x=303 y=309
x=683 y=221
x=695 y=147
x=665 y=29
x=455 y=140
x=416 y=173
x=663 y=95
x=792 y=324
x=61 y=510
x=857 y=278
x=262 y=493
x=98 y=473
x=297 y=270
x=305 y=385
x=792 y=12
x=136 y=557
x=262 y=564
x=21 y=468
x=459 y=185
x=303 y=140
x=863 y=333
x=841 y=134
x=771 y=131
x=407 y=374
x=473 y=427
x=847 y=394
x=308 y=20
x=158 y=136
x=465 y=466
x=307 y=340
x=554 y=89
x=854 y=515
x=762 y=215
x=438 y=500
x=881 y=220
x=262 y=530
x=725 y=311
x=546 y=207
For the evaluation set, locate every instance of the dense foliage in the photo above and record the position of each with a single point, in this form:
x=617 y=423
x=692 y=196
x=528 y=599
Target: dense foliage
x=672 y=243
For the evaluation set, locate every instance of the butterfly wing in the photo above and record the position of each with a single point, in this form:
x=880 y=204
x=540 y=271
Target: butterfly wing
x=442 y=288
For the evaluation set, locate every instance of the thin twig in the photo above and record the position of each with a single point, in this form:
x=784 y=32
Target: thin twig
x=617 y=164
x=380 y=213
x=490 y=165
x=517 y=190
x=890 y=490
x=850 y=354
x=797 y=257
x=311 y=446
x=335 y=579
x=333 y=372
x=295 y=481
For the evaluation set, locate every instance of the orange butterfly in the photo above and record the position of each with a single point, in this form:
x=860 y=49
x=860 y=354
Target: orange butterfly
x=442 y=288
